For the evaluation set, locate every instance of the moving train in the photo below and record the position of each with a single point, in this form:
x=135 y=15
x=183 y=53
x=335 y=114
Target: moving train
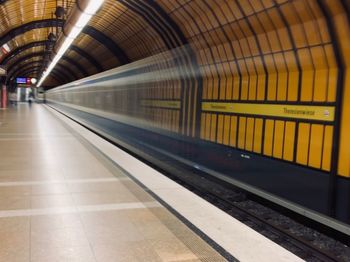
x=261 y=98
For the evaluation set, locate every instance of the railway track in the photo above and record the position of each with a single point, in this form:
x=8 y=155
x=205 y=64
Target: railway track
x=262 y=219
x=240 y=205
x=304 y=249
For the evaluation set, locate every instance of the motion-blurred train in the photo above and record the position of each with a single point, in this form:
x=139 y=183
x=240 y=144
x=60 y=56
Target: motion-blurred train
x=258 y=97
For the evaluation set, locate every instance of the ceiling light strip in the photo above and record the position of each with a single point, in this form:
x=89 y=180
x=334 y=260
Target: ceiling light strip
x=91 y=8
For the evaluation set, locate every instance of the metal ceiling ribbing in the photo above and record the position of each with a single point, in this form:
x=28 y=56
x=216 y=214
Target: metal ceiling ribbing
x=24 y=22
x=25 y=25
x=121 y=32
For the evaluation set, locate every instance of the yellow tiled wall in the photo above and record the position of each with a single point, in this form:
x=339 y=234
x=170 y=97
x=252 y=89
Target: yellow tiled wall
x=271 y=52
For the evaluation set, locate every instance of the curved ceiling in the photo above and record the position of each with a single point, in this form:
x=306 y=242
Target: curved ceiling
x=247 y=31
x=121 y=32
x=25 y=26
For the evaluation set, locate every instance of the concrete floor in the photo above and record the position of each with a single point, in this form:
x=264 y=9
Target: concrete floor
x=60 y=200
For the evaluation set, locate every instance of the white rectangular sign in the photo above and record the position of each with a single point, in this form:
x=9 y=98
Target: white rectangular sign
x=3 y=71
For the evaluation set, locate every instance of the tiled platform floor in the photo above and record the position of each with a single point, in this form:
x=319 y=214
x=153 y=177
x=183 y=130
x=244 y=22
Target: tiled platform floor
x=60 y=200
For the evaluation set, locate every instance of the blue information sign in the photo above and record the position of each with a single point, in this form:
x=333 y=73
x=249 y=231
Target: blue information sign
x=21 y=80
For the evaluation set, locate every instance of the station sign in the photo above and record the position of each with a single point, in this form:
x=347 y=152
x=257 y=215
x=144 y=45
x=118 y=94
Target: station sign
x=21 y=80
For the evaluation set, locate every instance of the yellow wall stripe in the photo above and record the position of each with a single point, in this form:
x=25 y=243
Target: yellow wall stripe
x=322 y=113
x=171 y=104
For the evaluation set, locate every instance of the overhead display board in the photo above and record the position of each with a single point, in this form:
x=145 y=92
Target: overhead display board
x=21 y=80
x=26 y=81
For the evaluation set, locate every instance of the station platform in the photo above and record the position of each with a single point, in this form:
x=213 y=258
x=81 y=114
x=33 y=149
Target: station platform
x=68 y=195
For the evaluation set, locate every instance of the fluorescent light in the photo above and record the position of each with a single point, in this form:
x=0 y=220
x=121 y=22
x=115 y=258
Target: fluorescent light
x=93 y=6
x=82 y=21
x=64 y=47
x=75 y=31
